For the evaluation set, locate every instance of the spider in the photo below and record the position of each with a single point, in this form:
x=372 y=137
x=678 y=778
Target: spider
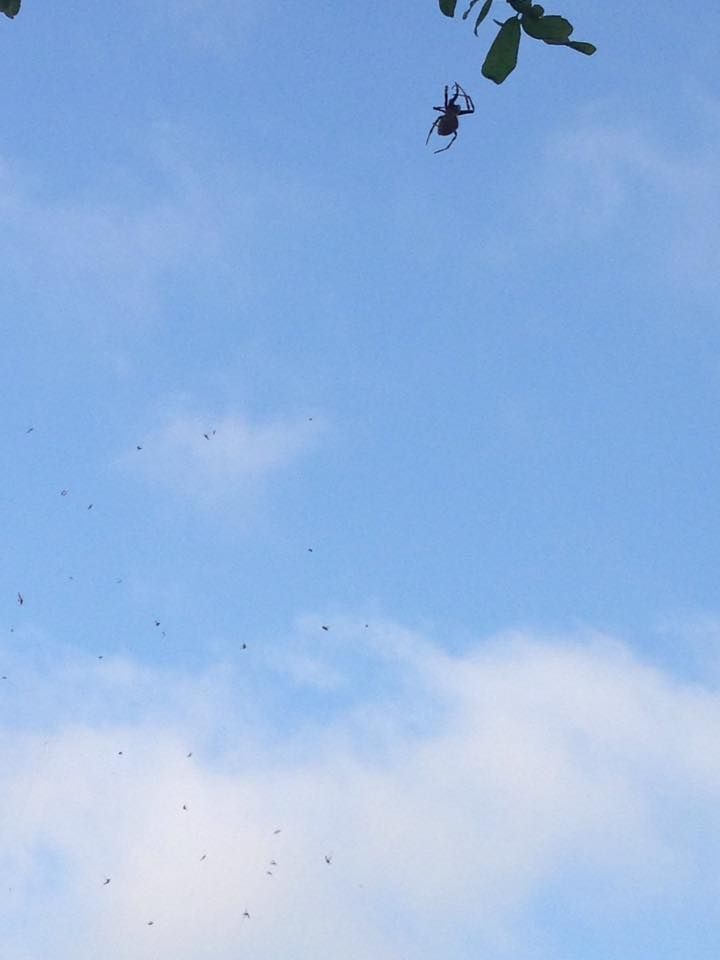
x=448 y=122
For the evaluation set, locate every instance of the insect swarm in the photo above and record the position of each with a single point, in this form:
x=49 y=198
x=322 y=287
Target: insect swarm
x=448 y=121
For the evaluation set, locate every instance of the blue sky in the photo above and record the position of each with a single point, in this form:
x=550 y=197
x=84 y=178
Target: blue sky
x=460 y=409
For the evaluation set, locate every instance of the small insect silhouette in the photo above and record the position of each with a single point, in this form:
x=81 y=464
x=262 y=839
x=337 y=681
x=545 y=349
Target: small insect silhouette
x=447 y=124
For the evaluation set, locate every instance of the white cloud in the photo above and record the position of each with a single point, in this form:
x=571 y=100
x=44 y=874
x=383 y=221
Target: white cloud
x=111 y=245
x=656 y=199
x=567 y=764
x=134 y=237
x=209 y=459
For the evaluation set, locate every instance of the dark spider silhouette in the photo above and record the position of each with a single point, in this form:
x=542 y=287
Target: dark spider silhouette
x=448 y=122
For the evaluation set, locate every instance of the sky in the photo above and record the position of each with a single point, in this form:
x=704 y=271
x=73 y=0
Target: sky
x=359 y=578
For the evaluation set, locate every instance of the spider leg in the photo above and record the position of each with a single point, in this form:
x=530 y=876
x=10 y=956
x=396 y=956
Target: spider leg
x=454 y=137
x=469 y=105
x=431 y=129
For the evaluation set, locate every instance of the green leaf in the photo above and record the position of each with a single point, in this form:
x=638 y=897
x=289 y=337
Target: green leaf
x=582 y=47
x=550 y=29
x=501 y=59
x=448 y=7
x=481 y=16
x=520 y=6
x=10 y=8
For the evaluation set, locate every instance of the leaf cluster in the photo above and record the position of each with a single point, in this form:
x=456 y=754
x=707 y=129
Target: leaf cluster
x=529 y=18
x=10 y=8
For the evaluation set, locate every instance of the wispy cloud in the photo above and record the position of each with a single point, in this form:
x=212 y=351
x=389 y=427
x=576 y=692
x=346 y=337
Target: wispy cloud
x=116 y=243
x=541 y=763
x=653 y=197
x=222 y=29
x=175 y=215
x=208 y=459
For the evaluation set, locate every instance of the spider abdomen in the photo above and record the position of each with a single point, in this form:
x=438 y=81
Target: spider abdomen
x=447 y=124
